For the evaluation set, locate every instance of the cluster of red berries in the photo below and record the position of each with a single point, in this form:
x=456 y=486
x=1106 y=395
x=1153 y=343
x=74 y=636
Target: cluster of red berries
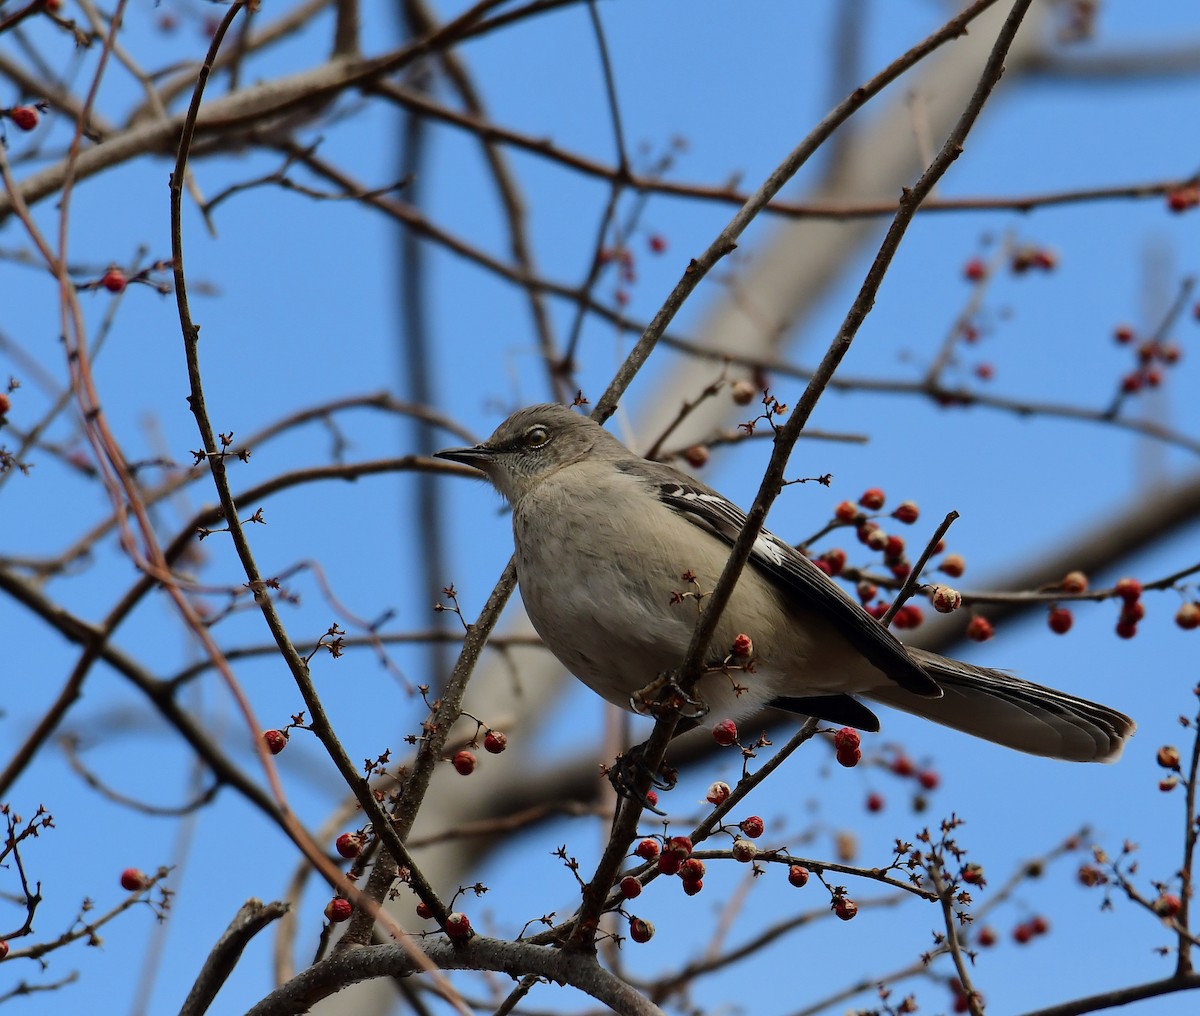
x=1028 y=930
x=846 y=743
x=1151 y=357
x=1132 y=610
x=464 y=761
x=674 y=857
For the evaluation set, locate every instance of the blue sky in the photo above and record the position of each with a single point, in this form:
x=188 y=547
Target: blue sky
x=304 y=309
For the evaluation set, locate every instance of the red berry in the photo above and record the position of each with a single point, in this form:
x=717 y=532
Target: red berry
x=874 y=802
x=725 y=733
x=1126 y=629
x=798 y=876
x=845 y=908
x=743 y=645
x=458 y=925
x=1060 y=620
x=1167 y=905
x=867 y=591
x=669 y=863
x=275 y=740
x=5 y=405
x=908 y=616
x=652 y=798
x=640 y=930
x=874 y=537
x=657 y=243
x=1039 y=925
x=494 y=741
x=133 y=880
x=973 y=874
x=696 y=456
x=847 y=737
x=349 y=844
x=1188 y=616
x=464 y=762
x=985 y=371
x=114 y=280
x=647 y=850
x=691 y=886
x=752 y=827
x=338 y=909
x=824 y=565
x=1128 y=589
x=980 y=629
x=744 y=851
x=929 y=779
x=1130 y=383
x=872 y=499
x=849 y=757
x=894 y=548
x=902 y=766
x=1022 y=933
x=692 y=870
x=3 y=949
x=846 y=511
x=630 y=887
x=1124 y=334
x=1133 y=612
x=975 y=270
x=906 y=512
x=681 y=846
x=953 y=565
x=423 y=911
x=25 y=117
x=835 y=559
x=987 y=936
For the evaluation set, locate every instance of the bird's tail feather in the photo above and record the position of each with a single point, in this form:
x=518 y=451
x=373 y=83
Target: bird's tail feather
x=1017 y=714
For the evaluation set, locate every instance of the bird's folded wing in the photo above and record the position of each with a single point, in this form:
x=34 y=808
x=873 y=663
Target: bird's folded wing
x=794 y=575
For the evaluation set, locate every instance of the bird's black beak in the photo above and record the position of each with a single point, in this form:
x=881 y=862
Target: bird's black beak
x=476 y=456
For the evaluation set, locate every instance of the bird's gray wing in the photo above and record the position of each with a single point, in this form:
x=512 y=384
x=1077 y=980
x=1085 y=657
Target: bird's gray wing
x=789 y=571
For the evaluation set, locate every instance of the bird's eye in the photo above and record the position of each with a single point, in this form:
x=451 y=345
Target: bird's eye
x=537 y=436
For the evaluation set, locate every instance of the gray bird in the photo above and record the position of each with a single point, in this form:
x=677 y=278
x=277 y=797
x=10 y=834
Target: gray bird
x=604 y=540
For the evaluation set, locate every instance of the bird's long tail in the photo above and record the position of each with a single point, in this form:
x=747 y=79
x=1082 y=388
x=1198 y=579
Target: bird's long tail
x=1017 y=714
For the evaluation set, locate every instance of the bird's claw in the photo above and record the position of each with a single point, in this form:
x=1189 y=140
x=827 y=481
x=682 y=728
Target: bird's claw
x=664 y=692
x=629 y=773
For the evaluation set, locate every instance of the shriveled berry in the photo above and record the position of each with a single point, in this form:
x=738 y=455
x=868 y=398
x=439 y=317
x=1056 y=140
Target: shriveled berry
x=743 y=645
x=275 y=740
x=669 y=863
x=945 y=600
x=349 y=844
x=640 y=930
x=849 y=757
x=1168 y=757
x=718 y=793
x=743 y=392
x=953 y=565
x=338 y=910
x=752 y=827
x=1167 y=905
x=845 y=908
x=692 y=870
x=1188 y=616
x=798 y=876
x=630 y=887
x=423 y=911
x=847 y=737
x=681 y=846
x=906 y=512
x=692 y=886
x=495 y=741
x=696 y=456
x=973 y=874
x=458 y=925
x=464 y=762
x=744 y=851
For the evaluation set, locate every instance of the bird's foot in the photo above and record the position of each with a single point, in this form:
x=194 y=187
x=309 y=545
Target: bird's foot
x=664 y=692
x=629 y=773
